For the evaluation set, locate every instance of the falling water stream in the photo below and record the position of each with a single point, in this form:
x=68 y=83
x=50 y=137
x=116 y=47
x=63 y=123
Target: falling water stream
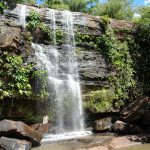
x=63 y=79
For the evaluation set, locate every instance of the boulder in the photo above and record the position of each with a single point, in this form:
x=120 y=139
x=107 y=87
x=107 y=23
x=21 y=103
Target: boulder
x=19 y=130
x=145 y=138
x=103 y=124
x=14 y=144
x=41 y=128
x=125 y=128
x=136 y=111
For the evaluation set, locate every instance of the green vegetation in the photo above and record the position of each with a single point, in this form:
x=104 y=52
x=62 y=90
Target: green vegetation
x=118 y=9
x=57 y=4
x=59 y=36
x=3 y=6
x=85 y=40
x=99 y=101
x=118 y=54
x=141 y=52
x=39 y=29
x=14 y=76
x=73 y=5
x=40 y=93
x=34 y=23
x=15 y=79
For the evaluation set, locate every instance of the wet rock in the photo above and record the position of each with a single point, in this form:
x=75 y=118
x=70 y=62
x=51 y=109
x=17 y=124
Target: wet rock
x=19 y=130
x=141 y=138
x=125 y=128
x=137 y=111
x=120 y=142
x=103 y=124
x=41 y=128
x=14 y=144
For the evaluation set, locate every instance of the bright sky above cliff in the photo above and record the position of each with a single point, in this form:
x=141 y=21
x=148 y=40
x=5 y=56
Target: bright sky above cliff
x=136 y=2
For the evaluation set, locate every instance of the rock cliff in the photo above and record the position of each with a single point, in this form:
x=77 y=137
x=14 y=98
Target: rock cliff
x=94 y=70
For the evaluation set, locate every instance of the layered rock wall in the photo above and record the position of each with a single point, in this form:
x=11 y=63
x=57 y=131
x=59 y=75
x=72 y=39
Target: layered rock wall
x=93 y=69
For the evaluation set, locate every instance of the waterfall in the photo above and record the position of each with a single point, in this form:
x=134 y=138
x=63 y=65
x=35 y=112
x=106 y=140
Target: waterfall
x=22 y=15
x=63 y=79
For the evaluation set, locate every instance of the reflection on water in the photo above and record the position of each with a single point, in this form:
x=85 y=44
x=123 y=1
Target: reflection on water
x=61 y=146
x=138 y=147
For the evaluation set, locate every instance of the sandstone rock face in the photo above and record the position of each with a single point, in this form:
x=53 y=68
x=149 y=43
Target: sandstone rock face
x=120 y=24
x=10 y=36
x=125 y=128
x=15 y=39
x=19 y=130
x=138 y=110
x=93 y=69
x=14 y=144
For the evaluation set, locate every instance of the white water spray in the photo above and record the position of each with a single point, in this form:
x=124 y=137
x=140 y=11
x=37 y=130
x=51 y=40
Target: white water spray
x=22 y=15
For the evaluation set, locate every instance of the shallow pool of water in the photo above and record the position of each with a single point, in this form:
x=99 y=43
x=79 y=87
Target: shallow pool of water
x=81 y=142
x=138 y=147
x=71 y=145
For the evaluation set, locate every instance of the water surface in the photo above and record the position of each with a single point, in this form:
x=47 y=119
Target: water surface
x=138 y=147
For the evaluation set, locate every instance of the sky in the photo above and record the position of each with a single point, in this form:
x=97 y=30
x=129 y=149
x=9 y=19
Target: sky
x=136 y=2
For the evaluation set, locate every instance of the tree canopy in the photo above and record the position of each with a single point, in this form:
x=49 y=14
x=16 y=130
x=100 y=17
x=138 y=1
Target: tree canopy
x=118 y=9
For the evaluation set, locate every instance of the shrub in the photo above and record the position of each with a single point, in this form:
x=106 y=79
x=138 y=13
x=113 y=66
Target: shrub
x=34 y=22
x=117 y=53
x=60 y=7
x=99 y=101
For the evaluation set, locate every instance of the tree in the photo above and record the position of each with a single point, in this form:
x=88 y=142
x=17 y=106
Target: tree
x=118 y=9
x=142 y=54
x=73 y=5
x=77 y=5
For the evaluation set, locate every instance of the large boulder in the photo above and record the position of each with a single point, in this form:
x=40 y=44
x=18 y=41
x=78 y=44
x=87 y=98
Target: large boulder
x=19 y=130
x=125 y=128
x=138 y=110
x=14 y=144
x=103 y=124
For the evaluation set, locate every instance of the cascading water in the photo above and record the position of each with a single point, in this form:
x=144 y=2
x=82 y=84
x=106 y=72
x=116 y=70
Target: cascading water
x=22 y=15
x=63 y=80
